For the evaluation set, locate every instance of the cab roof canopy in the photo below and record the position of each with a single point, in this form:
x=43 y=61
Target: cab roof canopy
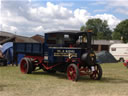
x=70 y=32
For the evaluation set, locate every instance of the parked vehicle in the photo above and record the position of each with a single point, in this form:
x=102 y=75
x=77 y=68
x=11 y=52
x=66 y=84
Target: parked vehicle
x=64 y=51
x=119 y=51
x=125 y=63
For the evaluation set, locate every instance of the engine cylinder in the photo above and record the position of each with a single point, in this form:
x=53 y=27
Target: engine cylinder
x=89 y=59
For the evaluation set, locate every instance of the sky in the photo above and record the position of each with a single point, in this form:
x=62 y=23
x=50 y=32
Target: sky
x=31 y=17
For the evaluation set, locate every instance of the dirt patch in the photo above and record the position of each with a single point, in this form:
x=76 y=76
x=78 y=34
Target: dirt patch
x=2 y=87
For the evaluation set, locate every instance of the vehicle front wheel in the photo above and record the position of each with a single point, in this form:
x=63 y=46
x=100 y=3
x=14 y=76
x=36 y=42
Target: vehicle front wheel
x=97 y=73
x=73 y=72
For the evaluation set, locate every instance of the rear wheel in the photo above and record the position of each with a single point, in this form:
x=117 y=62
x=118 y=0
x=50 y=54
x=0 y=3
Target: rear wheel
x=97 y=73
x=32 y=64
x=73 y=72
x=26 y=66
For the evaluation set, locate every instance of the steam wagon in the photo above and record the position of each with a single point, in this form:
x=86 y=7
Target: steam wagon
x=64 y=51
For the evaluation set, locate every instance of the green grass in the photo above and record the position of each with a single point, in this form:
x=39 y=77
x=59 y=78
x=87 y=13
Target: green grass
x=113 y=83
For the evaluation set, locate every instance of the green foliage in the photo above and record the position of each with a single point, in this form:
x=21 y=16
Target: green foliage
x=82 y=28
x=99 y=27
x=121 y=30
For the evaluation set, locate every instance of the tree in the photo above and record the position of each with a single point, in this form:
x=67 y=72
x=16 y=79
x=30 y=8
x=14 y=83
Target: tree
x=121 y=31
x=82 y=28
x=99 y=27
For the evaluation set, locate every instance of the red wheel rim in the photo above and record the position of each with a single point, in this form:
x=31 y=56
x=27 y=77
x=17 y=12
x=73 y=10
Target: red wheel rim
x=95 y=73
x=71 y=73
x=23 y=66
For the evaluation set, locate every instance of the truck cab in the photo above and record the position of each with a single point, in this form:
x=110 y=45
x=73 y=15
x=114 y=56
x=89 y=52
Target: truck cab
x=65 y=39
x=61 y=45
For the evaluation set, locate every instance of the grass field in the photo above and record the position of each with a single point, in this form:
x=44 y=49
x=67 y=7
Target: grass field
x=13 y=83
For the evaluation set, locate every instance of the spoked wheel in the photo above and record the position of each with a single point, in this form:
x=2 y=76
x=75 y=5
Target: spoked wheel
x=73 y=72
x=97 y=73
x=26 y=66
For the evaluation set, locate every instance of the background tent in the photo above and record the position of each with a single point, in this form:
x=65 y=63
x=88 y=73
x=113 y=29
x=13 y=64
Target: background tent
x=6 y=46
x=7 y=50
x=105 y=57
